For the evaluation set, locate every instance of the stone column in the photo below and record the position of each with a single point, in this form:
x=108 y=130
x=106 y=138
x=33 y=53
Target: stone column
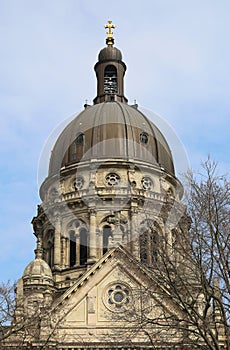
x=77 y=236
x=92 y=237
x=57 y=243
x=100 y=243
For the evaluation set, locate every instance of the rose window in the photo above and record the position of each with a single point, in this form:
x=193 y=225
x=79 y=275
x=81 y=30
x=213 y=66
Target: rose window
x=146 y=183
x=112 y=179
x=78 y=184
x=117 y=297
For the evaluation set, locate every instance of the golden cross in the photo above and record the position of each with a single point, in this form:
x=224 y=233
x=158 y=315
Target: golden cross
x=109 y=26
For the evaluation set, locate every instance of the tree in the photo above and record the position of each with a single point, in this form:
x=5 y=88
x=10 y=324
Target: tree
x=19 y=330
x=186 y=300
x=26 y=322
x=209 y=207
x=7 y=304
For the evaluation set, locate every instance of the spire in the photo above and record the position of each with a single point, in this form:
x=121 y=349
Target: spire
x=110 y=38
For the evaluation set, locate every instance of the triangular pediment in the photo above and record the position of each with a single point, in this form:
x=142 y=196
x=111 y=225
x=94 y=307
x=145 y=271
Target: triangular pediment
x=101 y=299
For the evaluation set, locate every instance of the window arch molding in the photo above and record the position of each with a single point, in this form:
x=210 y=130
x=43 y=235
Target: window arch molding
x=76 y=225
x=78 y=236
x=48 y=245
x=76 y=149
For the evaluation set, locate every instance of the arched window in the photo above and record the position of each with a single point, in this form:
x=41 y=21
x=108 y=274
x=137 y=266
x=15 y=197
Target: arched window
x=144 y=246
x=149 y=245
x=78 y=243
x=77 y=148
x=110 y=80
x=49 y=244
x=144 y=137
x=83 y=246
x=72 y=248
x=154 y=245
x=107 y=232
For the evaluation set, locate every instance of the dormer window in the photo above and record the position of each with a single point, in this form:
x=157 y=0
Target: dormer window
x=144 y=137
x=110 y=80
x=80 y=139
x=77 y=148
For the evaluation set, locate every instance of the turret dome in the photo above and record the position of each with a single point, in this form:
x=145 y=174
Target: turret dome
x=38 y=272
x=110 y=53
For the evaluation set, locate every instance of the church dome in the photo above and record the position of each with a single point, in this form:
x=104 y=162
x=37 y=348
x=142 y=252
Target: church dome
x=110 y=53
x=111 y=130
x=111 y=178
x=38 y=271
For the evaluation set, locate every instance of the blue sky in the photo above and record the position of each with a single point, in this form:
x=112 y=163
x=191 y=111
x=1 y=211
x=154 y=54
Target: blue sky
x=177 y=53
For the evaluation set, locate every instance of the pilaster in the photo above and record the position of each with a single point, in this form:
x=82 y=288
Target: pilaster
x=92 y=236
x=57 y=243
x=135 y=233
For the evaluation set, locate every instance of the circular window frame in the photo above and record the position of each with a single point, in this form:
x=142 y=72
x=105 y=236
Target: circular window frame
x=147 y=179
x=79 y=178
x=109 y=296
x=115 y=176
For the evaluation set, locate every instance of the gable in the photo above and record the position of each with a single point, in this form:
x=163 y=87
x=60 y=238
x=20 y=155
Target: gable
x=109 y=284
x=95 y=301
x=104 y=298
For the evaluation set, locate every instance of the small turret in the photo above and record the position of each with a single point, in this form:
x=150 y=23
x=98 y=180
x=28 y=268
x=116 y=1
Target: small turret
x=110 y=71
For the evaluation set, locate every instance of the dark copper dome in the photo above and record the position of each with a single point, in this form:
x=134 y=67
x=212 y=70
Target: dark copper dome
x=111 y=130
x=110 y=53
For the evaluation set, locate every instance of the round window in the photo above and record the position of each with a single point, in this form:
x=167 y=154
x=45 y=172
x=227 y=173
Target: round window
x=146 y=183
x=78 y=183
x=117 y=297
x=112 y=179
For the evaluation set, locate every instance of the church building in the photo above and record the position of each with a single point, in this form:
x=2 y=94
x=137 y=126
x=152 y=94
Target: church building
x=110 y=210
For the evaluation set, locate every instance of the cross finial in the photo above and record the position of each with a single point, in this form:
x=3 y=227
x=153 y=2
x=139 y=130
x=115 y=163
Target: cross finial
x=110 y=38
